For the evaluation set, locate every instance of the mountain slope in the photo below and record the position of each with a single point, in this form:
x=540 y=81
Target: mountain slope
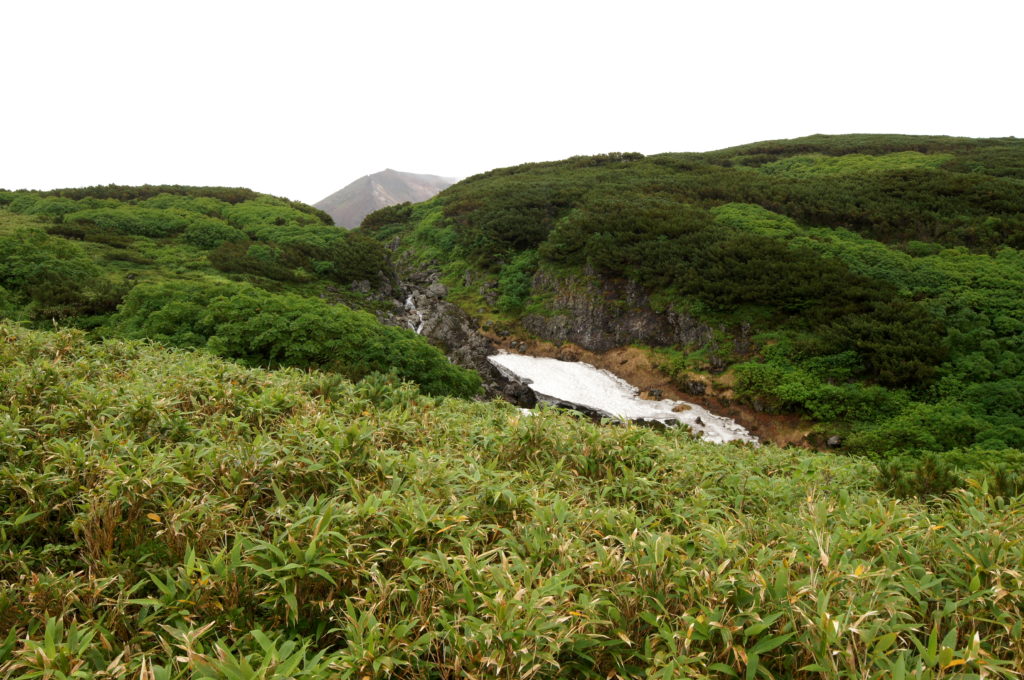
x=171 y=515
x=349 y=205
x=871 y=283
x=247 y=276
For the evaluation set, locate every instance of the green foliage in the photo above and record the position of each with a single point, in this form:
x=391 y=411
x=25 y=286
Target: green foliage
x=206 y=205
x=90 y=233
x=288 y=253
x=393 y=214
x=161 y=194
x=170 y=515
x=900 y=342
x=518 y=218
x=266 y=211
x=899 y=254
x=73 y=255
x=268 y=329
x=8 y=308
x=514 y=282
x=51 y=277
x=53 y=207
x=210 y=233
x=785 y=387
x=940 y=473
x=22 y=201
x=811 y=165
x=151 y=222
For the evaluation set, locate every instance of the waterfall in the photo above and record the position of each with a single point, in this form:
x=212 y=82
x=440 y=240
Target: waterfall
x=410 y=306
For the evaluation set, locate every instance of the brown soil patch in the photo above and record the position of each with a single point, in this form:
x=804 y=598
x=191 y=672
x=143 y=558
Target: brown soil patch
x=635 y=366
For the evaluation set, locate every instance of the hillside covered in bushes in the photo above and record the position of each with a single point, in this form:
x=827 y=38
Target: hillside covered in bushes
x=168 y=514
x=873 y=284
x=260 y=279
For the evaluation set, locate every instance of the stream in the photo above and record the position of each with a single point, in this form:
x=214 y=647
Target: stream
x=410 y=306
x=581 y=386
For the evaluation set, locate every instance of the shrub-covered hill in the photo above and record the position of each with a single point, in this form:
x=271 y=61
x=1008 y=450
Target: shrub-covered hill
x=873 y=283
x=166 y=514
x=240 y=273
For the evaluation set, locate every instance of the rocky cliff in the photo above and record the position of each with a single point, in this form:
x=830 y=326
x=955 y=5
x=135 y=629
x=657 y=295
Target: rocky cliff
x=597 y=315
x=602 y=314
x=425 y=310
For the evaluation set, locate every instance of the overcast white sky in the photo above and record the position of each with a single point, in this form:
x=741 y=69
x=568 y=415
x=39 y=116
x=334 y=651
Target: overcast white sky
x=299 y=98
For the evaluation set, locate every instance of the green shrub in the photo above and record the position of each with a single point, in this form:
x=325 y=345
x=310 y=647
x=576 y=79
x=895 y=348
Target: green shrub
x=89 y=232
x=938 y=473
x=388 y=215
x=51 y=279
x=261 y=328
x=254 y=259
x=133 y=221
x=924 y=476
x=52 y=207
x=919 y=427
x=210 y=233
x=515 y=281
x=8 y=308
x=266 y=212
x=52 y=274
x=204 y=205
x=21 y=202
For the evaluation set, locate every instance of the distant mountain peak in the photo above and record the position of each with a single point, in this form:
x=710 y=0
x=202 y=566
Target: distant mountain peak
x=349 y=205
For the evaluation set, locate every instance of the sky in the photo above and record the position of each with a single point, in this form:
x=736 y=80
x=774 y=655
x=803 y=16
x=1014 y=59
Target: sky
x=299 y=98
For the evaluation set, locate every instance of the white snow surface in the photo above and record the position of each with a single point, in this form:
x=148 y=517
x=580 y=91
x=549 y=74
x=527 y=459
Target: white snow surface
x=573 y=383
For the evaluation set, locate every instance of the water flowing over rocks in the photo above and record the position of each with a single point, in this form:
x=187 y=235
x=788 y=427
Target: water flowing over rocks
x=427 y=313
x=587 y=313
x=417 y=324
x=584 y=388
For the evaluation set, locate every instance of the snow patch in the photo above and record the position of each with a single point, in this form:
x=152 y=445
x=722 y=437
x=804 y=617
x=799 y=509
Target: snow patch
x=573 y=383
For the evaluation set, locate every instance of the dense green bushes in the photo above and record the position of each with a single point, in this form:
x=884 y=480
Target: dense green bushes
x=293 y=253
x=899 y=254
x=134 y=221
x=162 y=254
x=210 y=233
x=220 y=195
x=941 y=473
x=250 y=235
x=267 y=329
x=393 y=214
x=172 y=515
x=51 y=278
x=514 y=283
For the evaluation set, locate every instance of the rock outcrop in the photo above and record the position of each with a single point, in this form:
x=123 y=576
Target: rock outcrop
x=448 y=327
x=600 y=315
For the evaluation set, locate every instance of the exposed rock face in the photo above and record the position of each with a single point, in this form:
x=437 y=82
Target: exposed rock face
x=602 y=315
x=455 y=333
x=594 y=314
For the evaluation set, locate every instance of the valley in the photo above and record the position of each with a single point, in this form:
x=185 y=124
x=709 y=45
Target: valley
x=238 y=441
